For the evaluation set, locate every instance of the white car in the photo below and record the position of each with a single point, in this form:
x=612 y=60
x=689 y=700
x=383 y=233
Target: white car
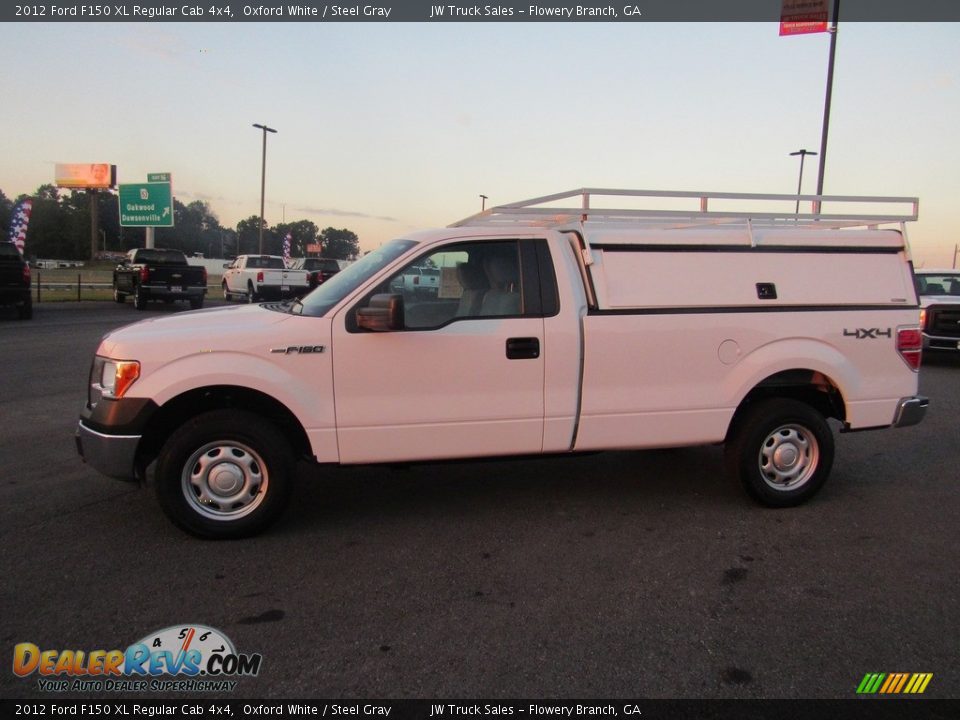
x=939 y=292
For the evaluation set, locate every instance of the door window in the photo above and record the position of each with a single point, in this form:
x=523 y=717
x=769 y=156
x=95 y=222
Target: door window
x=466 y=280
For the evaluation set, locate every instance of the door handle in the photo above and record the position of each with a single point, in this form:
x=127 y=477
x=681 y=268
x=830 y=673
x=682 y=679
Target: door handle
x=523 y=348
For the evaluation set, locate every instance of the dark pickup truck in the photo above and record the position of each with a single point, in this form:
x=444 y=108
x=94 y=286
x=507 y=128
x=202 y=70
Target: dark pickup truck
x=15 y=280
x=157 y=274
x=319 y=270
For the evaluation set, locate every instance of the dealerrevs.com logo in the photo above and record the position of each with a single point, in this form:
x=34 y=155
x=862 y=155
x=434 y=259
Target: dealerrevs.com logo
x=183 y=658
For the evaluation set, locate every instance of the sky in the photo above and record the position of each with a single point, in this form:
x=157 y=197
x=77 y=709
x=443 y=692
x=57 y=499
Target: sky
x=386 y=128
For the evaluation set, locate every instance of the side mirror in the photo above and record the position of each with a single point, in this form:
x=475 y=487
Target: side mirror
x=383 y=314
x=228 y=265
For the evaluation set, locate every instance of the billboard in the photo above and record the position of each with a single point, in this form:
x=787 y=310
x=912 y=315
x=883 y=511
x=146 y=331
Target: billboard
x=799 y=17
x=86 y=176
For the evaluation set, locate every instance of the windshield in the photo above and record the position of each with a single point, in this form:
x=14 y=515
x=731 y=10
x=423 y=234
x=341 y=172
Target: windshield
x=350 y=278
x=938 y=284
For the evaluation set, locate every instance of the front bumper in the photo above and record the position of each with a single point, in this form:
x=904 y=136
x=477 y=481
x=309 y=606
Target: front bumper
x=910 y=411
x=112 y=455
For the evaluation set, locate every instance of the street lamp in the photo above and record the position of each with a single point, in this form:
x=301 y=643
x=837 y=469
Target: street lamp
x=803 y=154
x=483 y=202
x=263 y=177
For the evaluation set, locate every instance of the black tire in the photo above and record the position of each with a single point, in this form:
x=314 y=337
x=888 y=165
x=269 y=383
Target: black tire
x=225 y=474
x=119 y=297
x=227 y=295
x=781 y=450
x=25 y=311
x=139 y=301
x=251 y=294
x=196 y=303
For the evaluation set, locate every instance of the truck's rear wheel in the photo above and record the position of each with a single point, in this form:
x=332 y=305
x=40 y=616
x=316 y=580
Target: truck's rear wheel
x=224 y=474
x=119 y=297
x=139 y=299
x=781 y=450
x=251 y=293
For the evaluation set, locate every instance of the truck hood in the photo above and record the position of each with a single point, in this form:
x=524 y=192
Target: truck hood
x=234 y=328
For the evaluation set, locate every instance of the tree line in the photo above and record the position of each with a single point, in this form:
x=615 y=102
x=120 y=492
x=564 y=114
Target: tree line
x=61 y=225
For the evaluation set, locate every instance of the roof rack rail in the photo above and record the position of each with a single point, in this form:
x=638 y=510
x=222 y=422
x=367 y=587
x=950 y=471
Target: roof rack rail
x=538 y=212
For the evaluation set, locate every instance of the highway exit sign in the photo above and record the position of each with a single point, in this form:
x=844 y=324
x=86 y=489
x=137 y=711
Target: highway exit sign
x=148 y=204
x=158 y=177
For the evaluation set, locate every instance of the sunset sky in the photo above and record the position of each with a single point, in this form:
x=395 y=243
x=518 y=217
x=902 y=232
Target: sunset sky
x=384 y=128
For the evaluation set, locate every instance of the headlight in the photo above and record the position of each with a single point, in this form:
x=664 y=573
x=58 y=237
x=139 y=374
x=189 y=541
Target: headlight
x=112 y=378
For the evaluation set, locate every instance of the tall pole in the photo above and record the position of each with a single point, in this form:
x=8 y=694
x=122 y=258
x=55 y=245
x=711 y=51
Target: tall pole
x=826 y=103
x=263 y=178
x=803 y=154
x=94 y=221
x=483 y=202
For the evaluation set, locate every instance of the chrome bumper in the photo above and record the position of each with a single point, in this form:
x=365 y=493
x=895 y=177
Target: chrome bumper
x=112 y=455
x=910 y=411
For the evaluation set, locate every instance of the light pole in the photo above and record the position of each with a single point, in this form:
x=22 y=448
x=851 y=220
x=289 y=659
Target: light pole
x=263 y=177
x=483 y=202
x=827 y=99
x=803 y=154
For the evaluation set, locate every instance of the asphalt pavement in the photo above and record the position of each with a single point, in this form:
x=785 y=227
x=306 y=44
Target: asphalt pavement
x=617 y=575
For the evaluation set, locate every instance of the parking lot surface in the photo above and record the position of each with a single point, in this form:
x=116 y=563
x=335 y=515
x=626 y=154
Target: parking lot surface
x=627 y=575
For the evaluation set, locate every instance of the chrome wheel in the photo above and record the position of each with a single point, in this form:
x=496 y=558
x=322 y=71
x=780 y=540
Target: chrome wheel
x=789 y=457
x=224 y=480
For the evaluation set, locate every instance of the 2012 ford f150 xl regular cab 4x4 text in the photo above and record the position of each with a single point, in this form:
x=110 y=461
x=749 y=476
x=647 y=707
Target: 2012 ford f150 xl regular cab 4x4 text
x=553 y=330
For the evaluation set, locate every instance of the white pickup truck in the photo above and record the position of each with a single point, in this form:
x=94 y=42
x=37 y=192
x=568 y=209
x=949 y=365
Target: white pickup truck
x=554 y=330
x=262 y=277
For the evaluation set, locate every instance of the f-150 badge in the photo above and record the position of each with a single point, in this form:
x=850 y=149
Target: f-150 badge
x=300 y=349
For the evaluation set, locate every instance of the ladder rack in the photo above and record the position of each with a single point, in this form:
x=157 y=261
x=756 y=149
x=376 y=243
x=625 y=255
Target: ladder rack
x=539 y=212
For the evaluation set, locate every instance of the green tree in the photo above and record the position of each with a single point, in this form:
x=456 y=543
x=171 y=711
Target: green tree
x=196 y=229
x=340 y=244
x=302 y=232
x=53 y=230
x=6 y=210
x=248 y=242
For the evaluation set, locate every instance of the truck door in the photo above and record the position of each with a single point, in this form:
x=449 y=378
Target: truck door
x=462 y=377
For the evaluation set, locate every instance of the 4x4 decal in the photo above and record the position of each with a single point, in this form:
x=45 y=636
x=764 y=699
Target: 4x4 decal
x=868 y=333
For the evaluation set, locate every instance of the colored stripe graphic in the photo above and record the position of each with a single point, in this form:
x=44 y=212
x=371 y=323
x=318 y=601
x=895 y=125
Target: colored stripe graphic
x=894 y=683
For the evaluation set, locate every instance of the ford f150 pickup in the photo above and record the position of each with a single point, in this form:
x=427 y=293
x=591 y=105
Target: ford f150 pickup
x=159 y=274
x=553 y=330
x=261 y=277
x=939 y=292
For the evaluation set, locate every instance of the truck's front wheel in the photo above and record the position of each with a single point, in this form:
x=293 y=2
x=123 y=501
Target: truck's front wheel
x=781 y=450
x=224 y=474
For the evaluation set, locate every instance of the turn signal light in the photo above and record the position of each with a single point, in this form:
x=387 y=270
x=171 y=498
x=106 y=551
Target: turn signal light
x=118 y=376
